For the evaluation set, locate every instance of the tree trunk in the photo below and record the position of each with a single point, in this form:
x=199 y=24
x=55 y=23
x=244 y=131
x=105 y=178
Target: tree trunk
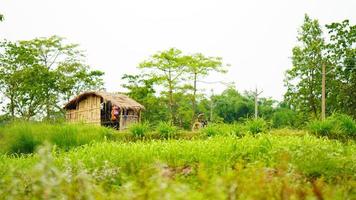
x=170 y=97
x=194 y=97
x=323 y=93
x=171 y=109
x=12 y=106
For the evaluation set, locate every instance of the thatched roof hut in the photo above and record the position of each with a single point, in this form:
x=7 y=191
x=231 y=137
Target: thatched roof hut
x=120 y=100
x=99 y=107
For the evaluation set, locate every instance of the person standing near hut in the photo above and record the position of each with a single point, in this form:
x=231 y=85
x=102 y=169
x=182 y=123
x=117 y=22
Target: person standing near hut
x=115 y=116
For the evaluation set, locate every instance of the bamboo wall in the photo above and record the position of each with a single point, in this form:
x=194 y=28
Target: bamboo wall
x=87 y=111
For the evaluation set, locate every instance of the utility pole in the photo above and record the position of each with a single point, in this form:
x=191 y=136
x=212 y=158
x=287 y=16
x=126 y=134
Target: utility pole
x=323 y=92
x=256 y=93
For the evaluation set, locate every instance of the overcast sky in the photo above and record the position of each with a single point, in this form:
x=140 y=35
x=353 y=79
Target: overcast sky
x=255 y=37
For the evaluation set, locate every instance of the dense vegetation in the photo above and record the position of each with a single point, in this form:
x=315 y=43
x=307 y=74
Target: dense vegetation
x=287 y=152
x=222 y=161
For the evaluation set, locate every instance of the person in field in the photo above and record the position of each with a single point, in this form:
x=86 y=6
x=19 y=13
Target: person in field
x=115 y=117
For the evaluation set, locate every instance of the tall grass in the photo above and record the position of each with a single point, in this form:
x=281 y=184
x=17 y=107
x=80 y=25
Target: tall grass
x=24 y=137
x=166 y=130
x=337 y=126
x=255 y=126
x=222 y=167
x=139 y=130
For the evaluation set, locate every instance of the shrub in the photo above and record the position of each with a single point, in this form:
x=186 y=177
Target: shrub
x=346 y=125
x=337 y=126
x=256 y=126
x=284 y=118
x=322 y=128
x=166 y=130
x=211 y=130
x=237 y=130
x=139 y=130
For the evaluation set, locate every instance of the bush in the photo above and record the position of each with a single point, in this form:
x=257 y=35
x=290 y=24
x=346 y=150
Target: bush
x=256 y=126
x=346 y=124
x=211 y=130
x=139 y=130
x=337 y=126
x=237 y=130
x=166 y=130
x=284 y=118
x=321 y=128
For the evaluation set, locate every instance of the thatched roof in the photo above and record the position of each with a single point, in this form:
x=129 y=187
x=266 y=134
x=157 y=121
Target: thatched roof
x=120 y=100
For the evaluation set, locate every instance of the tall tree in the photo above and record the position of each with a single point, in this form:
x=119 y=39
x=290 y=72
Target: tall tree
x=141 y=88
x=15 y=62
x=168 y=67
x=199 y=66
x=38 y=75
x=303 y=81
x=341 y=82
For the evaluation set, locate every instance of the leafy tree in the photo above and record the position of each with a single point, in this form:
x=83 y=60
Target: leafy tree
x=232 y=106
x=140 y=88
x=15 y=64
x=303 y=81
x=1 y=17
x=341 y=82
x=38 y=75
x=200 y=66
x=167 y=67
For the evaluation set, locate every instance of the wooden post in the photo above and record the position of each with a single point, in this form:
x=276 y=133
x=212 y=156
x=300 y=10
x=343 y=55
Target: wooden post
x=256 y=105
x=256 y=102
x=323 y=104
x=139 y=116
x=120 y=122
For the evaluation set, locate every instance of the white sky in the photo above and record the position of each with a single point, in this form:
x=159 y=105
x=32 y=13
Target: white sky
x=255 y=37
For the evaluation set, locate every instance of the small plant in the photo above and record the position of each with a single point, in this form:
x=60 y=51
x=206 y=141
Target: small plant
x=337 y=126
x=166 y=130
x=256 y=126
x=237 y=130
x=346 y=125
x=211 y=130
x=322 y=128
x=139 y=130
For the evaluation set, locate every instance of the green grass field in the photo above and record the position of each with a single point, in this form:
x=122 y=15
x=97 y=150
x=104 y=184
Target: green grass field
x=225 y=163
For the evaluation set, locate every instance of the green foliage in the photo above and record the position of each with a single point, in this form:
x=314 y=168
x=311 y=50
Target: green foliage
x=232 y=106
x=337 y=126
x=178 y=74
x=346 y=124
x=303 y=81
x=24 y=137
x=256 y=126
x=335 y=50
x=37 y=75
x=166 y=130
x=322 y=128
x=139 y=130
x=284 y=117
x=196 y=169
x=211 y=130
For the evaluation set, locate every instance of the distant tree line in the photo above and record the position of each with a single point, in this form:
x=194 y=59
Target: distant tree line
x=180 y=100
x=37 y=76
